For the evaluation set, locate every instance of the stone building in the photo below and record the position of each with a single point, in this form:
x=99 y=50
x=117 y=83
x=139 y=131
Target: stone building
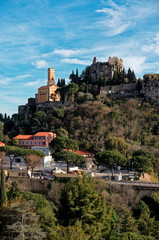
x=47 y=93
x=99 y=70
x=30 y=107
x=45 y=98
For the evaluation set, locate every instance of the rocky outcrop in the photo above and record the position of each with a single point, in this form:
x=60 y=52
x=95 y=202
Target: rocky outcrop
x=150 y=91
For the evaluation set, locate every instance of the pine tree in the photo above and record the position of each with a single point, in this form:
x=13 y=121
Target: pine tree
x=3 y=196
x=80 y=203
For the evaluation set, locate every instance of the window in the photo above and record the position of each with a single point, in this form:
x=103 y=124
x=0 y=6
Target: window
x=39 y=143
x=31 y=143
x=19 y=142
x=18 y=160
x=23 y=142
x=39 y=137
x=35 y=142
x=27 y=142
x=44 y=143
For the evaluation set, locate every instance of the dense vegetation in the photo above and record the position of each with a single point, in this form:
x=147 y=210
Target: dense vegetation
x=118 y=132
x=124 y=126
x=83 y=208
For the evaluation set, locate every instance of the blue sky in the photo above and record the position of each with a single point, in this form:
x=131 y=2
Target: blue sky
x=66 y=35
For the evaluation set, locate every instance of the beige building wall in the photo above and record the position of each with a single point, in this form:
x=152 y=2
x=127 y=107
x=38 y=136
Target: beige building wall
x=47 y=93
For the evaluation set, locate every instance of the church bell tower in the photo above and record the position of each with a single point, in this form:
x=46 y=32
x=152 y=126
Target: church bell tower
x=51 y=77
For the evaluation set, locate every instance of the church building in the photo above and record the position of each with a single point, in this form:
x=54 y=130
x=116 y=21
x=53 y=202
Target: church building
x=47 y=93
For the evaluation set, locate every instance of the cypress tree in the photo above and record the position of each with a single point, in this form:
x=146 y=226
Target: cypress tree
x=3 y=196
x=1 y=131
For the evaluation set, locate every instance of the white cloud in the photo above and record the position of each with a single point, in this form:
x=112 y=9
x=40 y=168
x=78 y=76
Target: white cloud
x=37 y=83
x=135 y=63
x=9 y=80
x=153 y=46
x=40 y=64
x=66 y=52
x=114 y=21
x=75 y=61
x=117 y=19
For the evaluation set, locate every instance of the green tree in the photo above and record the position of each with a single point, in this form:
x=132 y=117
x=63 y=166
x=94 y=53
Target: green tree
x=69 y=158
x=13 y=191
x=72 y=89
x=116 y=144
x=39 y=122
x=1 y=131
x=44 y=209
x=3 y=194
x=142 y=160
x=81 y=204
x=61 y=143
x=71 y=233
x=110 y=159
x=61 y=132
x=130 y=236
x=148 y=226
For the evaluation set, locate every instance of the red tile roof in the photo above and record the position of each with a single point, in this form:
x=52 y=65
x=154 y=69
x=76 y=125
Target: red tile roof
x=24 y=137
x=42 y=134
x=79 y=152
x=2 y=144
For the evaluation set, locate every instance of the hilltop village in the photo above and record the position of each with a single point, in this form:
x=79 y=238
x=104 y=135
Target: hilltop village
x=81 y=160
x=108 y=80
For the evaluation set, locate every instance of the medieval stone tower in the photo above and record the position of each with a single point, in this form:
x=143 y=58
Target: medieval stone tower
x=99 y=70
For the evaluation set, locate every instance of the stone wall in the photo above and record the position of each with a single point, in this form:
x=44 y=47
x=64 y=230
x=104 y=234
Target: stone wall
x=30 y=185
x=45 y=106
x=123 y=90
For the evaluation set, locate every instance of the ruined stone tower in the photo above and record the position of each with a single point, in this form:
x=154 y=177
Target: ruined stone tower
x=100 y=70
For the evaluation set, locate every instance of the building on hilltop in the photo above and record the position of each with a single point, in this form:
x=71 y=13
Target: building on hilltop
x=100 y=70
x=47 y=93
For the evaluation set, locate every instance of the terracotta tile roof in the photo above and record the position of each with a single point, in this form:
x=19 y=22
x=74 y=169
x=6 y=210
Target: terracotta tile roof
x=79 y=152
x=2 y=144
x=42 y=134
x=43 y=87
x=24 y=137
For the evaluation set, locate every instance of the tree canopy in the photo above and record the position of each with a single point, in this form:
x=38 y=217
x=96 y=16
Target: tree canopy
x=69 y=158
x=110 y=159
x=60 y=143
